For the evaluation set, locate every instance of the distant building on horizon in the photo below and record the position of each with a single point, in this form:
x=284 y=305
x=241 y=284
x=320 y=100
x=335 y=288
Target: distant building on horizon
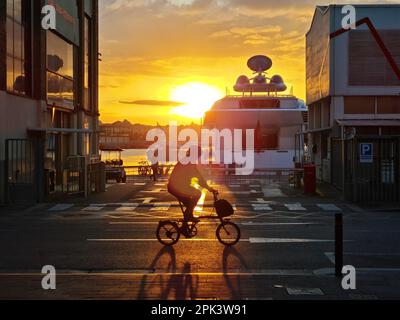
x=353 y=94
x=48 y=99
x=116 y=135
x=125 y=135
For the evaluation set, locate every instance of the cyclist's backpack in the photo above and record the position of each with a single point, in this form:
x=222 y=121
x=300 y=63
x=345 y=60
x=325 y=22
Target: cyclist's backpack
x=224 y=209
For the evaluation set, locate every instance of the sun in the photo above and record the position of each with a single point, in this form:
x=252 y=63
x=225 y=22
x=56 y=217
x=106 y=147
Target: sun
x=197 y=97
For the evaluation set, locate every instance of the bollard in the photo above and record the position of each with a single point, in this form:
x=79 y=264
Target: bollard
x=338 y=244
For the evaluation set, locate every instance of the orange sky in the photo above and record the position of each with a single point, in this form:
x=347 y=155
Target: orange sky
x=150 y=47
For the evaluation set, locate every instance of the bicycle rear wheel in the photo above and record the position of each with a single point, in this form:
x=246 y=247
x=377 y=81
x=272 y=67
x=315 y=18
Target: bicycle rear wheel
x=228 y=234
x=168 y=233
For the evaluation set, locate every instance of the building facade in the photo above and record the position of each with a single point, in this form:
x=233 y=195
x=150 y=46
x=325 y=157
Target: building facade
x=48 y=98
x=353 y=94
x=117 y=135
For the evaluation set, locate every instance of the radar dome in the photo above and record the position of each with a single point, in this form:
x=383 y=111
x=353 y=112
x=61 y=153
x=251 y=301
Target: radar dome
x=277 y=79
x=243 y=80
x=278 y=83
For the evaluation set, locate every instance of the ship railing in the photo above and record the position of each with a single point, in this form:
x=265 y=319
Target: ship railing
x=264 y=95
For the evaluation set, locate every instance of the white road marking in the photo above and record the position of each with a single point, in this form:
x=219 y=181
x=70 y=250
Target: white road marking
x=128 y=207
x=276 y=240
x=153 y=191
x=243 y=192
x=161 y=207
x=151 y=273
x=61 y=207
x=139 y=184
x=94 y=207
x=295 y=207
x=146 y=240
x=330 y=256
x=251 y=240
x=261 y=207
x=276 y=224
x=246 y=224
x=305 y=291
x=271 y=193
x=329 y=207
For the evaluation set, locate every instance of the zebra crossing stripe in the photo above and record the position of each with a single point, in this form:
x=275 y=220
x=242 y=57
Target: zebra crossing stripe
x=329 y=207
x=61 y=207
x=94 y=207
x=261 y=207
x=295 y=207
x=128 y=207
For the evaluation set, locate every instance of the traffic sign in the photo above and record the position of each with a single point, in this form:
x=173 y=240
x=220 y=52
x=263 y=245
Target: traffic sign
x=366 y=153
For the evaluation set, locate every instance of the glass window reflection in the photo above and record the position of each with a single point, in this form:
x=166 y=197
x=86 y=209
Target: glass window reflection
x=60 y=74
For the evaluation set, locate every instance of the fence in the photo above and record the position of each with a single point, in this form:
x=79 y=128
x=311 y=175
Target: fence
x=20 y=171
x=224 y=175
x=74 y=175
x=375 y=179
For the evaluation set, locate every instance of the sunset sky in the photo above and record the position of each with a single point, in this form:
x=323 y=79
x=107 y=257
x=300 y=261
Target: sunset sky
x=165 y=53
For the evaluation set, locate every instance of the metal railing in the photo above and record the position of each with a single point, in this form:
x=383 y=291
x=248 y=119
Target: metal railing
x=224 y=175
x=260 y=176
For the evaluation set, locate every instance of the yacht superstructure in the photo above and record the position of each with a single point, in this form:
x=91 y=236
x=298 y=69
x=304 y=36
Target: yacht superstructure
x=276 y=118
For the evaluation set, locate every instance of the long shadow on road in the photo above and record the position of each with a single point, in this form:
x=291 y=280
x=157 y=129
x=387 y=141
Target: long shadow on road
x=172 y=284
x=234 y=283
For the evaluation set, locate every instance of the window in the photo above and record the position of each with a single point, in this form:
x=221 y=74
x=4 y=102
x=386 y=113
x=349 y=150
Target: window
x=260 y=104
x=359 y=105
x=266 y=139
x=17 y=38
x=60 y=72
x=388 y=105
x=87 y=73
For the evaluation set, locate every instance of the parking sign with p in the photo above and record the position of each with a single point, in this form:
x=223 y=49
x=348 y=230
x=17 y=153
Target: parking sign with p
x=366 y=153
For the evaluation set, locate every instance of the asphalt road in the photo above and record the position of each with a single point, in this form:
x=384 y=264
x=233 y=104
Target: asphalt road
x=105 y=248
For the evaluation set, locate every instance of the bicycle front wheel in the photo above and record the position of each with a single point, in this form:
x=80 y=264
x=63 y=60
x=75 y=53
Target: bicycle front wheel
x=168 y=233
x=228 y=234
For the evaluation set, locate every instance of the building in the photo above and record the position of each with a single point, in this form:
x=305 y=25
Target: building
x=353 y=94
x=116 y=135
x=48 y=99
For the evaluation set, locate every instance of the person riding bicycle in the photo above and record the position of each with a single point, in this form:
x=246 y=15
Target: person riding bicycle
x=182 y=186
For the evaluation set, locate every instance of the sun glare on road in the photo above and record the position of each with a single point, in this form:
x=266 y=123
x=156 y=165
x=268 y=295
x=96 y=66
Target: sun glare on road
x=198 y=99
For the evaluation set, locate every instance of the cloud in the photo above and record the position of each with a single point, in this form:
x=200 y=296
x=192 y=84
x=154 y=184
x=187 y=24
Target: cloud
x=154 y=103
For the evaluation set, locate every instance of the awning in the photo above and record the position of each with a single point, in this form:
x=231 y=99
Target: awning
x=317 y=130
x=369 y=123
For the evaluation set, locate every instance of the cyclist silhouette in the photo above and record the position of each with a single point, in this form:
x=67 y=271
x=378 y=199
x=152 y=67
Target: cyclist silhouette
x=182 y=184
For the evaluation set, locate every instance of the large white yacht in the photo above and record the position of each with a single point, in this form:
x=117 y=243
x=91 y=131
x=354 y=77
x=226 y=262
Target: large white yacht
x=259 y=105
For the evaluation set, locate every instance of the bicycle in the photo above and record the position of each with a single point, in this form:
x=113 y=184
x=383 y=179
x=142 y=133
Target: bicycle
x=228 y=233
